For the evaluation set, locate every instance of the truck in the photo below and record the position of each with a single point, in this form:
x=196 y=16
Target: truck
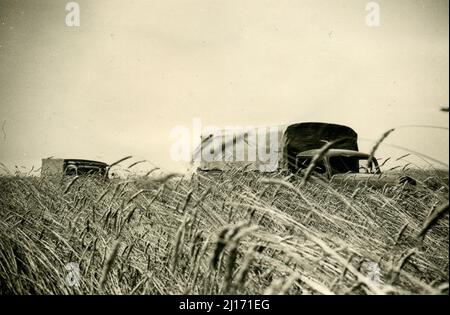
x=293 y=147
x=52 y=167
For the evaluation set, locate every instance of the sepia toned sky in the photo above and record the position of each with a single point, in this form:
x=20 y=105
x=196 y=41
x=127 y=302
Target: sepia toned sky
x=118 y=84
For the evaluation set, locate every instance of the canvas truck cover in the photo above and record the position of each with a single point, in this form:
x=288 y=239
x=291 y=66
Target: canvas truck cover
x=249 y=148
x=267 y=149
x=52 y=167
x=311 y=135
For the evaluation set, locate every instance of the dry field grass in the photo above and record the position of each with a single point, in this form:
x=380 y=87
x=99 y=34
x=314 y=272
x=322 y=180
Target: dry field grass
x=231 y=233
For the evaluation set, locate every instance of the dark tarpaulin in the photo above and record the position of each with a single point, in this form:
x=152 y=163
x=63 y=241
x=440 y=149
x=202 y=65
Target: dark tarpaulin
x=312 y=135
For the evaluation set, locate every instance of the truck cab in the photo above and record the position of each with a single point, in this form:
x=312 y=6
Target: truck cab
x=348 y=166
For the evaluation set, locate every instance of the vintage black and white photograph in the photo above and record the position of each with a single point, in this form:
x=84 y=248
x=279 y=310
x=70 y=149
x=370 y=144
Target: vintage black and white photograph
x=212 y=148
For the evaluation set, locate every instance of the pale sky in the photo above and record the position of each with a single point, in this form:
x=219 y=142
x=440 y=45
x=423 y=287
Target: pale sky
x=133 y=70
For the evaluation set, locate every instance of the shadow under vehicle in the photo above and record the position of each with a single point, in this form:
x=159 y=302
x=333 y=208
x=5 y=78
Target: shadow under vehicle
x=73 y=167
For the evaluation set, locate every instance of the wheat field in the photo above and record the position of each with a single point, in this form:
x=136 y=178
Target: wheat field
x=229 y=233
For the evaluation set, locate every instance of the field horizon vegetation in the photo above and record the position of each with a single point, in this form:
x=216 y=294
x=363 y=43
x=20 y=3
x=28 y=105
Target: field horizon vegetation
x=235 y=232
